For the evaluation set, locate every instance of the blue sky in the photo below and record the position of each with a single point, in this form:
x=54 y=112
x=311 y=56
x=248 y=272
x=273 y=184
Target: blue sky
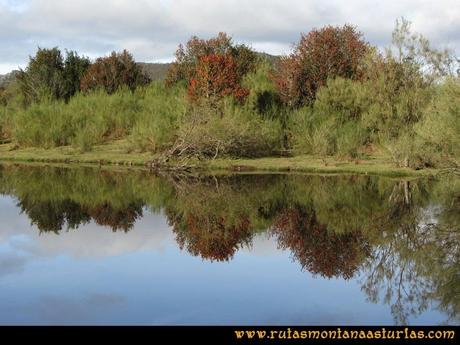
x=152 y=29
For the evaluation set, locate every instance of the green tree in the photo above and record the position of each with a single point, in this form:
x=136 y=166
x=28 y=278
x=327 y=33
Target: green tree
x=49 y=74
x=74 y=68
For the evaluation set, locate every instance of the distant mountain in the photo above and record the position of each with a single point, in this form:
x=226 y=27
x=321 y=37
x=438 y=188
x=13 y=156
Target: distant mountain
x=272 y=59
x=155 y=71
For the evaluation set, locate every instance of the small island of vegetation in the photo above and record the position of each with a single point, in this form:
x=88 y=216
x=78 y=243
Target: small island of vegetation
x=335 y=104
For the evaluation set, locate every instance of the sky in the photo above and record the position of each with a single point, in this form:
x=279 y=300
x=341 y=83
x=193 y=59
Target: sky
x=152 y=29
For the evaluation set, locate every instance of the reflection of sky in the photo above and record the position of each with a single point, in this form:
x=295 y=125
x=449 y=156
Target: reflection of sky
x=95 y=276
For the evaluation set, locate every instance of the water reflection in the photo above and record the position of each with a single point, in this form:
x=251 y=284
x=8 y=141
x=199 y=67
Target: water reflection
x=399 y=239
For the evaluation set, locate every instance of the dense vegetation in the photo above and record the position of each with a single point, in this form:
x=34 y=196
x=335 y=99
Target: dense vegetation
x=334 y=95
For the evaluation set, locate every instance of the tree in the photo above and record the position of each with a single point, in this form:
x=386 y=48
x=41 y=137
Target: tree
x=216 y=76
x=189 y=56
x=212 y=68
x=403 y=82
x=74 y=69
x=117 y=219
x=48 y=74
x=321 y=54
x=317 y=249
x=43 y=75
x=112 y=72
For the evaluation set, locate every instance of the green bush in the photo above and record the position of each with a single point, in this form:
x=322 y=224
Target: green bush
x=157 y=123
x=263 y=98
x=83 y=122
x=235 y=132
x=439 y=131
x=5 y=124
x=333 y=125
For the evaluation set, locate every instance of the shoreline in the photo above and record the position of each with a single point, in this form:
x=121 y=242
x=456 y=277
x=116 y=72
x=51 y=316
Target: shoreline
x=116 y=154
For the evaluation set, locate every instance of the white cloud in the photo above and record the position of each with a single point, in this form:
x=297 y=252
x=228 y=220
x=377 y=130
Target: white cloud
x=152 y=29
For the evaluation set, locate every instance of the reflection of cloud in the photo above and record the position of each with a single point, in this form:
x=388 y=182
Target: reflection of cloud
x=11 y=263
x=52 y=309
x=90 y=240
x=262 y=245
x=94 y=241
x=11 y=223
x=104 y=299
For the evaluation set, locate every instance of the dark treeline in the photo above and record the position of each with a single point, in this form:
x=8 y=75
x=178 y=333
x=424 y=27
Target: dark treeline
x=400 y=237
x=334 y=95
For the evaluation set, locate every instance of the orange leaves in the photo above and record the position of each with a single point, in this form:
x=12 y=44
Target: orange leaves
x=216 y=77
x=321 y=54
x=213 y=237
x=318 y=250
x=212 y=68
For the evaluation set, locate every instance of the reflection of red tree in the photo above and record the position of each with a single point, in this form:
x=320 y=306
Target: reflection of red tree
x=211 y=238
x=116 y=219
x=318 y=250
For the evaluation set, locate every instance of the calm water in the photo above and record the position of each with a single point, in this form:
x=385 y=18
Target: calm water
x=88 y=246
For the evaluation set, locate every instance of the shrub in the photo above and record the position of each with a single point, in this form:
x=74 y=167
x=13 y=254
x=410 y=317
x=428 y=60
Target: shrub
x=4 y=124
x=215 y=78
x=236 y=133
x=113 y=72
x=82 y=122
x=262 y=98
x=320 y=55
x=162 y=110
x=333 y=125
x=439 y=131
x=188 y=58
x=48 y=74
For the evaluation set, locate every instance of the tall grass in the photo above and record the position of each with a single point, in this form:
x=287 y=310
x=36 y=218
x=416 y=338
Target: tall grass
x=161 y=111
x=83 y=122
x=334 y=124
x=146 y=116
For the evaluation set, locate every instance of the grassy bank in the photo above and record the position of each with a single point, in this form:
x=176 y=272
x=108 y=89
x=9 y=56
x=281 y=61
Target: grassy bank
x=117 y=153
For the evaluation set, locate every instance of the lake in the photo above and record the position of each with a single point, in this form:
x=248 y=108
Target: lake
x=99 y=246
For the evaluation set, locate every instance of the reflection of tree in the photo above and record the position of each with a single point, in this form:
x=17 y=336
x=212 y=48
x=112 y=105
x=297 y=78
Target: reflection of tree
x=214 y=218
x=116 y=219
x=211 y=237
x=52 y=216
x=318 y=250
x=416 y=262
x=59 y=198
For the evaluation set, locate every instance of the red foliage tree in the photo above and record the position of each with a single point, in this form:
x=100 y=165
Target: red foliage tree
x=216 y=77
x=321 y=54
x=188 y=57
